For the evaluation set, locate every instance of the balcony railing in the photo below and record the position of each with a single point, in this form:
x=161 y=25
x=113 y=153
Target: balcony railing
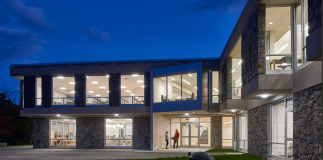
x=38 y=101
x=97 y=100
x=64 y=101
x=215 y=99
x=279 y=61
x=132 y=100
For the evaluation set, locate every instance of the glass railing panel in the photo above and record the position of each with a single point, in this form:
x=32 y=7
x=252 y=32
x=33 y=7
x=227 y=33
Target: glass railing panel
x=132 y=100
x=97 y=100
x=215 y=99
x=118 y=142
x=279 y=61
x=63 y=142
x=64 y=101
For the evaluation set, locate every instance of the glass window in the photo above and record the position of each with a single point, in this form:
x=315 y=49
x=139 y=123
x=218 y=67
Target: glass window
x=227 y=131
x=215 y=85
x=39 y=93
x=278 y=27
x=63 y=90
x=278 y=129
x=189 y=86
x=97 y=90
x=63 y=132
x=118 y=132
x=160 y=89
x=132 y=89
x=205 y=134
x=236 y=78
x=243 y=132
x=174 y=88
x=302 y=30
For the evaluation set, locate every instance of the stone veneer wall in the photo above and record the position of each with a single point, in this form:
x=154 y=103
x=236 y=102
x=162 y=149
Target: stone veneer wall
x=41 y=132
x=307 y=118
x=80 y=90
x=90 y=132
x=147 y=89
x=47 y=91
x=30 y=92
x=141 y=133
x=115 y=90
x=226 y=80
x=258 y=131
x=216 y=132
x=253 y=47
x=314 y=15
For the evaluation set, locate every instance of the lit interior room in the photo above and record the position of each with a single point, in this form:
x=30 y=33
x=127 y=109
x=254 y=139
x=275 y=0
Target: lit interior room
x=236 y=78
x=132 y=89
x=215 y=86
x=300 y=41
x=278 y=38
x=97 y=90
x=63 y=90
x=243 y=132
x=38 y=91
x=227 y=132
x=118 y=132
x=63 y=132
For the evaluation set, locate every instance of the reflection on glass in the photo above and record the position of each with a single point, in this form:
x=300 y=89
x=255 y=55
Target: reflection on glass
x=236 y=78
x=174 y=120
x=97 y=90
x=39 y=94
x=63 y=132
x=189 y=86
x=227 y=131
x=215 y=85
x=132 y=89
x=174 y=88
x=185 y=129
x=118 y=132
x=278 y=150
x=63 y=90
x=159 y=89
x=278 y=122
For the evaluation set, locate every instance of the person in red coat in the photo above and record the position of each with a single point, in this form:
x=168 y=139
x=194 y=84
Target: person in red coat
x=176 y=137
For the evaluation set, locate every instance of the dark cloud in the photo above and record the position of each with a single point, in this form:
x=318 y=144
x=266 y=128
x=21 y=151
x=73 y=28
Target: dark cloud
x=16 y=43
x=97 y=35
x=222 y=7
x=30 y=17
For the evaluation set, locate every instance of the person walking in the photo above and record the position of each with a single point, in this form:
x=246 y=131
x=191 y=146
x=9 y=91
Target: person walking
x=166 y=139
x=176 y=137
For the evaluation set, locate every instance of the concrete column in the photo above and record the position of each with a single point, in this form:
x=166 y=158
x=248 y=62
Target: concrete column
x=147 y=89
x=216 y=132
x=80 y=90
x=90 y=132
x=41 y=132
x=21 y=94
x=115 y=90
x=29 y=92
x=47 y=91
x=141 y=133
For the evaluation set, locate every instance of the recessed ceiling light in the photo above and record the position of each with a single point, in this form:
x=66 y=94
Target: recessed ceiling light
x=186 y=114
x=72 y=91
x=264 y=96
x=123 y=87
x=91 y=92
x=62 y=88
x=94 y=82
x=186 y=82
x=102 y=87
x=108 y=91
x=98 y=95
x=270 y=22
x=72 y=82
x=216 y=89
x=142 y=86
x=190 y=75
x=132 y=94
x=135 y=75
x=60 y=77
x=108 y=75
x=140 y=81
x=233 y=110
x=116 y=114
x=58 y=115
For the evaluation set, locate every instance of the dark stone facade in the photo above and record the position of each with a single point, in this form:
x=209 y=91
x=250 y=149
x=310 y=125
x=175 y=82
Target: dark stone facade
x=147 y=89
x=41 y=132
x=307 y=116
x=216 y=132
x=258 y=131
x=253 y=47
x=90 y=132
x=226 y=80
x=314 y=15
x=115 y=90
x=47 y=91
x=141 y=133
x=80 y=90
x=30 y=92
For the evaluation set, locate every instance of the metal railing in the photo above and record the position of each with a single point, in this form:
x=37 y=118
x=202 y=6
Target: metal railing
x=279 y=61
x=215 y=99
x=97 y=100
x=64 y=101
x=118 y=142
x=132 y=100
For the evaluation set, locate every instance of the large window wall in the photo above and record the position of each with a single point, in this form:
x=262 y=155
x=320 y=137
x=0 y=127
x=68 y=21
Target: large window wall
x=215 y=87
x=132 y=89
x=236 y=78
x=227 y=131
x=97 y=90
x=63 y=133
x=39 y=92
x=302 y=30
x=175 y=87
x=118 y=132
x=63 y=90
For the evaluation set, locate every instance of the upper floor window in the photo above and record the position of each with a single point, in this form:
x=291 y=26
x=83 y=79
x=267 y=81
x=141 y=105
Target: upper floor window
x=132 y=89
x=215 y=87
x=301 y=30
x=97 y=90
x=236 y=78
x=38 y=92
x=63 y=90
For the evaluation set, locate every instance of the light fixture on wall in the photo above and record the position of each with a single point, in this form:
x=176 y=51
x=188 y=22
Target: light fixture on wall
x=121 y=126
x=87 y=76
x=135 y=75
x=72 y=82
x=60 y=77
x=62 y=88
x=216 y=89
x=186 y=82
x=123 y=87
x=140 y=81
x=118 y=125
x=110 y=125
x=106 y=125
x=233 y=71
x=195 y=87
x=190 y=75
x=108 y=91
x=114 y=126
x=94 y=82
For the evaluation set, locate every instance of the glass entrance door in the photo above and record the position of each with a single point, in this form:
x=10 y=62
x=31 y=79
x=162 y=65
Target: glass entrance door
x=189 y=134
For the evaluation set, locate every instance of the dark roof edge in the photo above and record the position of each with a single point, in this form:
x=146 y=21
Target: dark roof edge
x=118 y=61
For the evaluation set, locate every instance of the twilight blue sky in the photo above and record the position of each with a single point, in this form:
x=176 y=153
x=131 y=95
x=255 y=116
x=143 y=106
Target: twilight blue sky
x=38 y=31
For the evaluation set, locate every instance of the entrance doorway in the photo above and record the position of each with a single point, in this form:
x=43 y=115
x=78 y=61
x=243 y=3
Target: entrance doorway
x=190 y=132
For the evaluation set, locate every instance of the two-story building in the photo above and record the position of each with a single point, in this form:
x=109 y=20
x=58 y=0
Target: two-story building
x=263 y=95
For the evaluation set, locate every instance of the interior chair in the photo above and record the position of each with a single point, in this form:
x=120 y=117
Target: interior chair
x=285 y=62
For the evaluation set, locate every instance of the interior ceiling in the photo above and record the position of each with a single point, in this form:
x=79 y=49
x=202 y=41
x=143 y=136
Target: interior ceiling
x=131 y=84
x=103 y=81
x=119 y=121
x=189 y=77
x=236 y=52
x=59 y=83
x=280 y=19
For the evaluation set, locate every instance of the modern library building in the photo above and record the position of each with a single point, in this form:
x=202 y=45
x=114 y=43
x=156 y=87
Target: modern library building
x=262 y=96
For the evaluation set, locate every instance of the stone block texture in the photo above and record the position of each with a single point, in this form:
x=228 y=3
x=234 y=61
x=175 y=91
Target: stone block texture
x=216 y=132
x=80 y=90
x=141 y=133
x=47 y=91
x=41 y=132
x=147 y=89
x=258 y=131
x=307 y=116
x=115 y=90
x=253 y=45
x=314 y=15
x=21 y=94
x=226 y=80
x=30 y=92
x=90 y=132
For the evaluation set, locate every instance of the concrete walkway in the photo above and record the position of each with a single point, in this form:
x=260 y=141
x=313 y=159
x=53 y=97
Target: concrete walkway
x=28 y=153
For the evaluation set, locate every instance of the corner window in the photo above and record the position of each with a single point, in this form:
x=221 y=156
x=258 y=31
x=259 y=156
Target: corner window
x=97 y=90
x=236 y=78
x=132 y=89
x=174 y=88
x=63 y=90
x=215 y=87
x=39 y=93
x=63 y=133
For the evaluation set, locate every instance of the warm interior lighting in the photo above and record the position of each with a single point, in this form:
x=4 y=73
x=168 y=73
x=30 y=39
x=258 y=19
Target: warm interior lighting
x=282 y=48
x=123 y=87
x=116 y=114
x=179 y=97
x=264 y=96
x=270 y=22
x=108 y=91
x=136 y=97
x=186 y=82
x=135 y=75
x=58 y=115
x=233 y=110
x=216 y=89
x=108 y=75
x=142 y=86
x=94 y=82
x=91 y=92
x=195 y=87
x=62 y=88
x=87 y=76
x=173 y=79
x=60 y=77
x=102 y=87
x=140 y=81
x=72 y=82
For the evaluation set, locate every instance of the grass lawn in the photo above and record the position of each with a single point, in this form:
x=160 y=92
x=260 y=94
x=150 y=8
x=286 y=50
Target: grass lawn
x=221 y=150
x=21 y=145
x=217 y=157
